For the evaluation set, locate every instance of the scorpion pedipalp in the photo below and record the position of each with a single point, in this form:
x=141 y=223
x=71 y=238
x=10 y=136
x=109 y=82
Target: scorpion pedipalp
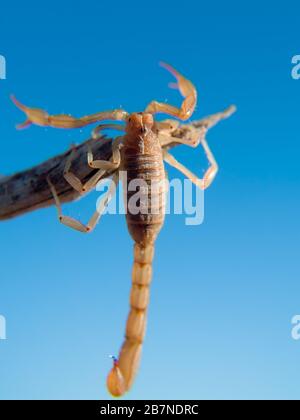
x=187 y=90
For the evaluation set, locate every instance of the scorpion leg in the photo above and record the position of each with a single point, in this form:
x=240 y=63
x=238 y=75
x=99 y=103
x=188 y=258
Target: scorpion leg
x=101 y=127
x=76 y=224
x=166 y=127
x=187 y=90
x=209 y=174
x=75 y=182
x=42 y=118
x=192 y=136
x=212 y=171
x=105 y=164
x=181 y=168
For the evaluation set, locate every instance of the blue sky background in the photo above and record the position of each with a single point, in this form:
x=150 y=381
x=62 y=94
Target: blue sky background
x=224 y=292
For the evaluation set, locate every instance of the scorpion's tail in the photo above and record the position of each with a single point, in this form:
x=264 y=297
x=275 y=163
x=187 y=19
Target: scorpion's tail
x=125 y=367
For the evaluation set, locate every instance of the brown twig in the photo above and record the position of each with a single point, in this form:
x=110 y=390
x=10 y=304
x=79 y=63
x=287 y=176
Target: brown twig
x=28 y=190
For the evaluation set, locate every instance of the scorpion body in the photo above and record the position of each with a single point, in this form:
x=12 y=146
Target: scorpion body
x=141 y=154
x=142 y=160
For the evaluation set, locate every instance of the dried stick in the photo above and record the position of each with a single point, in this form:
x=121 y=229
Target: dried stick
x=28 y=190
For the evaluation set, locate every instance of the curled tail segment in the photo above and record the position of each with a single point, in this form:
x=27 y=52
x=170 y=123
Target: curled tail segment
x=125 y=367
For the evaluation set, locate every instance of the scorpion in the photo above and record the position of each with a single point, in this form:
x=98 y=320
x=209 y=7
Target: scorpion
x=141 y=153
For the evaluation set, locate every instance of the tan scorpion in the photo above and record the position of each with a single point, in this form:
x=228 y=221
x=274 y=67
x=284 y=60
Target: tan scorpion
x=140 y=154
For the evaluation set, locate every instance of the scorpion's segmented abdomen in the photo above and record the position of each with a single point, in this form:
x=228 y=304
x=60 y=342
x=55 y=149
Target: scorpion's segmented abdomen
x=144 y=190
